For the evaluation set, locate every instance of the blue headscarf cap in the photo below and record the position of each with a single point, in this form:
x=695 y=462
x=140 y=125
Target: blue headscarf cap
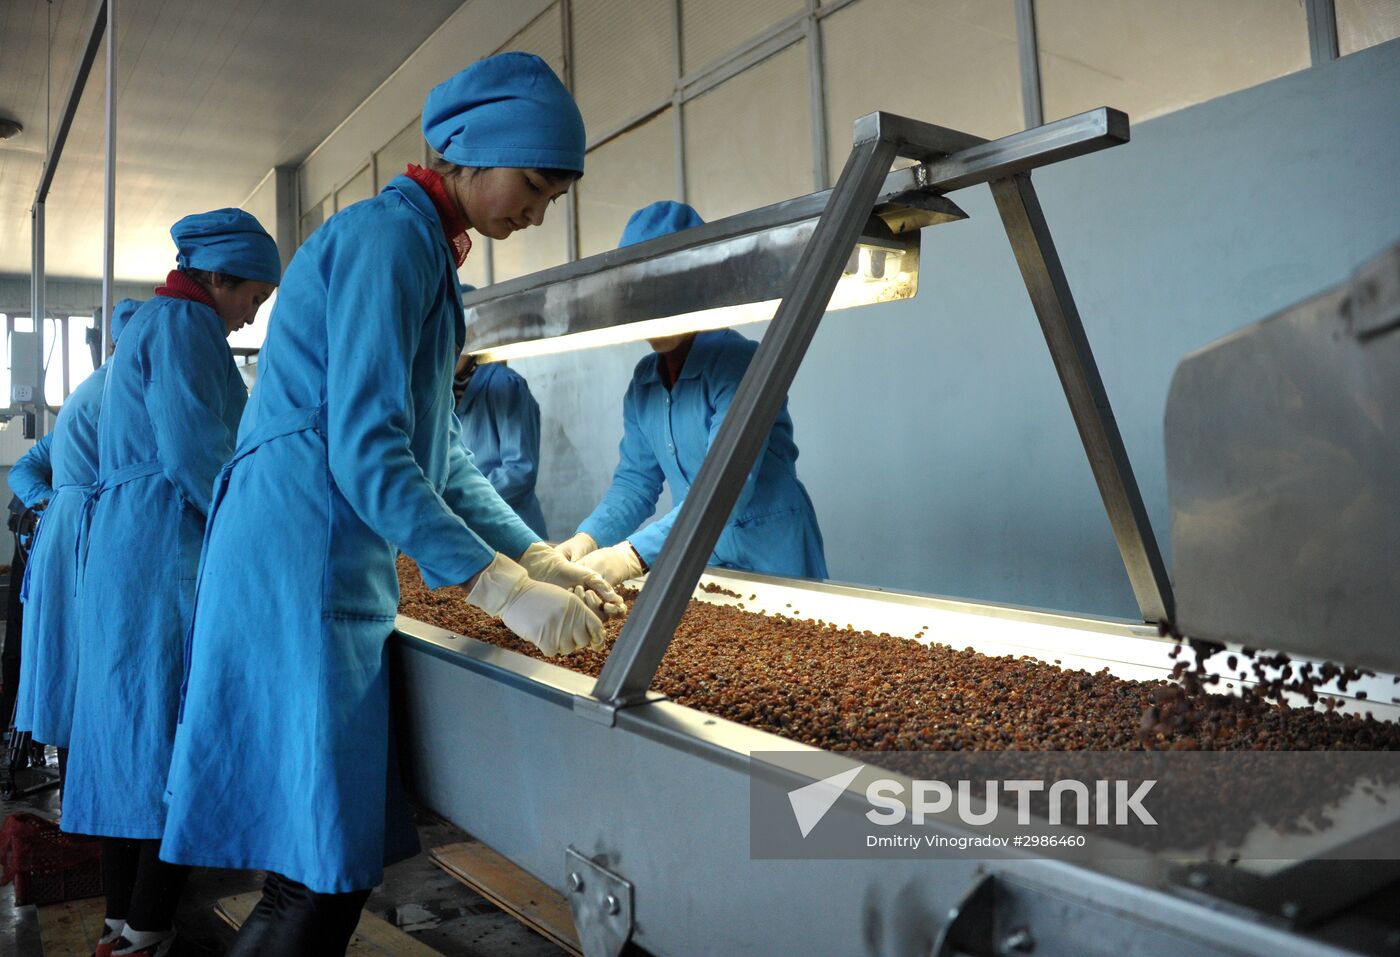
x=121 y=315
x=227 y=241
x=506 y=110
x=658 y=219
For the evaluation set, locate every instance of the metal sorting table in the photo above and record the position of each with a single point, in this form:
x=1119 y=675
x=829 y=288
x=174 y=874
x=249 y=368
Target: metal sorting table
x=496 y=742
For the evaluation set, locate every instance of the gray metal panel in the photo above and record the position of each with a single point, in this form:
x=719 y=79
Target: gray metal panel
x=1283 y=469
x=739 y=259
x=667 y=809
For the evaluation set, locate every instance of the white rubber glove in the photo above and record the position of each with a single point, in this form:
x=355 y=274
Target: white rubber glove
x=575 y=548
x=545 y=564
x=617 y=563
x=553 y=620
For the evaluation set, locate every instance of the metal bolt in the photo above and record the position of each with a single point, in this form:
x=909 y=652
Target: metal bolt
x=575 y=882
x=1019 y=941
x=1290 y=909
x=611 y=904
x=1198 y=879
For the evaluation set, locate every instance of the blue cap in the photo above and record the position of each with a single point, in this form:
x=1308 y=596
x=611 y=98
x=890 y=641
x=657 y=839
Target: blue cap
x=465 y=287
x=506 y=110
x=122 y=313
x=227 y=241
x=658 y=219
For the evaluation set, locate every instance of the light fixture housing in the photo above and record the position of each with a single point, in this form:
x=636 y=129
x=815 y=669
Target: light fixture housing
x=9 y=128
x=723 y=273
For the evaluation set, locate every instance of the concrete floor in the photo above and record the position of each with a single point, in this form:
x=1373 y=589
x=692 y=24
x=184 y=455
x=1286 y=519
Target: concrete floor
x=416 y=896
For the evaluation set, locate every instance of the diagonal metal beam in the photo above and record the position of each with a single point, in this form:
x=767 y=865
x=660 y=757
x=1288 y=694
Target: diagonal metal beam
x=1079 y=375
x=630 y=668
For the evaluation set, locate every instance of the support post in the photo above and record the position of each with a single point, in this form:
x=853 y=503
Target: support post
x=109 y=220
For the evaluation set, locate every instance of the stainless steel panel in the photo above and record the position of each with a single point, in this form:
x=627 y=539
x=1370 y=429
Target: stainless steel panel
x=662 y=797
x=1283 y=475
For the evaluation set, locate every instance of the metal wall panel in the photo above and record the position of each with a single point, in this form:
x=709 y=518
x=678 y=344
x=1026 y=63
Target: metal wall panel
x=540 y=246
x=360 y=186
x=624 y=59
x=625 y=174
x=393 y=157
x=712 y=28
x=1148 y=58
x=748 y=141
x=967 y=64
x=1364 y=23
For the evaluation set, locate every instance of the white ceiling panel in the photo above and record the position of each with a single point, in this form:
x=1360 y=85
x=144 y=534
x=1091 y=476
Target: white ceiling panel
x=211 y=95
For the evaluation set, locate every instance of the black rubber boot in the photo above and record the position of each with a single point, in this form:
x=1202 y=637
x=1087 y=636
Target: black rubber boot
x=291 y=920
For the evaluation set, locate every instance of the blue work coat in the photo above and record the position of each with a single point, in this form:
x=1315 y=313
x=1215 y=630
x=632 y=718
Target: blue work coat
x=349 y=453
x=501 y=428
x=48 y=678
x=170 y=413
x=31 y=478
x=666 y=434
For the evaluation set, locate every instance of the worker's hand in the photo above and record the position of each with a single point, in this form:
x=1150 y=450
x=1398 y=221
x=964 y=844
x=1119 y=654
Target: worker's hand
x=552 y=619
x=616 y=564
x=575 y=548
x=545 y=564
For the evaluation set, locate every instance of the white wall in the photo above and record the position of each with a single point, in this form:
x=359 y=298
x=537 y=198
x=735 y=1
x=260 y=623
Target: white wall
x=935 y=440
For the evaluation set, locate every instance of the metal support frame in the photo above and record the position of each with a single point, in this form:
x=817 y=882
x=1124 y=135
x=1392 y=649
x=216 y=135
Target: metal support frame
x=101 y=28
x=1079 y=375
x=1032 y=102
x=954 y=160
x=109 y=230
x=1322 y=30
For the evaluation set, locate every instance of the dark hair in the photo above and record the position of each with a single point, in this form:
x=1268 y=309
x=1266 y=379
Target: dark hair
x=554 y=176
x=210 y=279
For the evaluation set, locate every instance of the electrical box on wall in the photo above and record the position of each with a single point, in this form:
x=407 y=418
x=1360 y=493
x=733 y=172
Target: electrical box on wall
x=24 y=366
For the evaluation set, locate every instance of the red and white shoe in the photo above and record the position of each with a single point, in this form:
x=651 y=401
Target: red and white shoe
x=156 y=948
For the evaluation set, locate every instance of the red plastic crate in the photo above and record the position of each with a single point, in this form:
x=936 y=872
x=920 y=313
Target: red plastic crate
x=47 y=865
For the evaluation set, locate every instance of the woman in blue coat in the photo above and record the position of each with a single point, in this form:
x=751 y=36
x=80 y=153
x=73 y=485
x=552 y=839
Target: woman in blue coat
x=500 y=422
x=170 y=412
x=31 y=480
x=672 y=411
x=348 y=454
x=49 y=674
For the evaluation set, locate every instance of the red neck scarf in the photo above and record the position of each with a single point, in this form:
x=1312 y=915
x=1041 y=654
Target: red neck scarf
x=454 y=227
x=179 y=286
